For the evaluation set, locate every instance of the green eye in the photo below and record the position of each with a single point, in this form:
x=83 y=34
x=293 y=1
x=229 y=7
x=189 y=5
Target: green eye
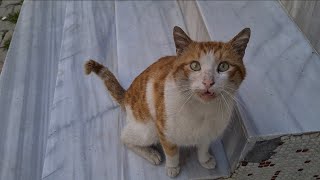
x=195 y=65
x=224 y=66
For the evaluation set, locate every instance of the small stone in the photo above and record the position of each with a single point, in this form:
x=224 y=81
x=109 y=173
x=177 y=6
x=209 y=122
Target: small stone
x=293 y=138
x=3 y=52
x=6 y=37
x=283 y=138
x=305 y=136
x=313 y=135
x=3 y=18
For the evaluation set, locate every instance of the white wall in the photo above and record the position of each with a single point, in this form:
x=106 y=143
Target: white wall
x=307 y=16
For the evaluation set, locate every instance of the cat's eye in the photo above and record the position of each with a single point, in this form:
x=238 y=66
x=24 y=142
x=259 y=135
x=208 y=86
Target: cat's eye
x=195 y=65
x=224 y=66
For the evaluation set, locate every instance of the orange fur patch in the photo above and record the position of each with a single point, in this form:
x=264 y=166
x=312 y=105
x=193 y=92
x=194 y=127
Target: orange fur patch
x=136 y=94
x=110 y=81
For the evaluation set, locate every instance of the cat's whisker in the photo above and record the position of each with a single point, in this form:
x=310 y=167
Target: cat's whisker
x=183 y=94
x=192 y=93
x=227 y=91
x=240 y=107
x=238 y=101
x=220 y=107
x=222 y=90
x=233 y=90
x=186 y=96
x=234 y=98
x=183 y=91
x=226 y=102
x=230 y=88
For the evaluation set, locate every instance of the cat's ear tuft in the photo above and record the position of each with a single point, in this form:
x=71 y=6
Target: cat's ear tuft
x=181 y=39
x=240 y=41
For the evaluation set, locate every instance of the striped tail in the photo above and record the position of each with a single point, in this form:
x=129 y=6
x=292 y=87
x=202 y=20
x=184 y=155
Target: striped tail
x=110 y=81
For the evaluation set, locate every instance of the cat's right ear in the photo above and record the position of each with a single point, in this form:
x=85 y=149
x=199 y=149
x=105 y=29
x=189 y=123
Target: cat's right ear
x=181 y=39
x=240 y=41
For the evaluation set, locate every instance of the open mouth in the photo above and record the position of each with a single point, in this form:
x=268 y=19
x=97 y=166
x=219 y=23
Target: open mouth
x=207 y=95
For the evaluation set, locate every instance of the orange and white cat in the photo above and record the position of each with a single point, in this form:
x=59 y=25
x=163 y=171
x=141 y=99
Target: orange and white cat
x=182 y=100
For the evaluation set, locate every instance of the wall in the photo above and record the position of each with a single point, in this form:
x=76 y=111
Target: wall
x=306 y=14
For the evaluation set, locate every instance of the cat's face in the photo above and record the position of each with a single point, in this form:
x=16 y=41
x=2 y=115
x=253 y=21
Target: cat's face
x=210 y=69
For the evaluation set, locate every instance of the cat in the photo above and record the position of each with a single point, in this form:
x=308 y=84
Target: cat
x=182 y=100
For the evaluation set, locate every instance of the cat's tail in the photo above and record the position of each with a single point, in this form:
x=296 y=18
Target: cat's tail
x=110 y=81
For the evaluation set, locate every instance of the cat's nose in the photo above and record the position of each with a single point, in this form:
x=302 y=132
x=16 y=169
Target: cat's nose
x=208 y=83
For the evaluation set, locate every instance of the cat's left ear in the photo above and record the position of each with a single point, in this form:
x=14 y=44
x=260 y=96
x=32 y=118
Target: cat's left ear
x=240 y=41
x=181 y=39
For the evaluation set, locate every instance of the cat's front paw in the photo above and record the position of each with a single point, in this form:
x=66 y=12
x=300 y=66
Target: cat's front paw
x=154 y=157
x=173 y=171
x=209 y=164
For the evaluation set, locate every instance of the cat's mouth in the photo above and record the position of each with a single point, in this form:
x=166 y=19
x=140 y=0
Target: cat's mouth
x=206 y=95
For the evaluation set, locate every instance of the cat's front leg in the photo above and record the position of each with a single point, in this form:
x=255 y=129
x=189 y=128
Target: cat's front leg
x=205 y=158
x=172 y=157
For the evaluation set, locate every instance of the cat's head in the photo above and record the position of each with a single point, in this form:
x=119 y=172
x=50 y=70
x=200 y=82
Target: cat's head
x=209 y=68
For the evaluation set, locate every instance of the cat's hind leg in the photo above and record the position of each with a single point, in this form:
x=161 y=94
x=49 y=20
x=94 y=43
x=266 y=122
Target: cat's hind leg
x=139 y=137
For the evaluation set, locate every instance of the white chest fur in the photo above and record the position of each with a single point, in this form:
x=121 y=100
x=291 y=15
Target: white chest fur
x=189 y=121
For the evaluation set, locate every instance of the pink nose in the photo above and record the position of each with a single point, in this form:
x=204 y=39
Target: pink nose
x=208 y=83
